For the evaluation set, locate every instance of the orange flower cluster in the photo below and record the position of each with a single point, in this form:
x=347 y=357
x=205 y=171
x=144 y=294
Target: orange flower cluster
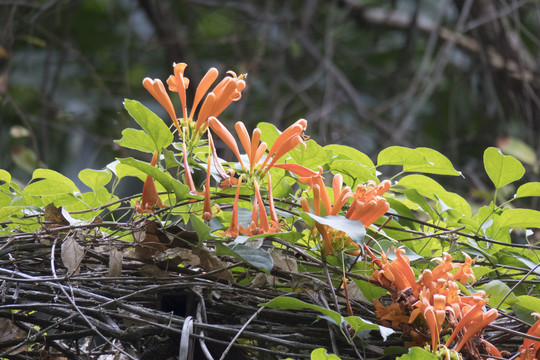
x=436 y=297
x=530 y=350
x=227 y=91
x=367 y=206
x=257 y=170
x=223 y=94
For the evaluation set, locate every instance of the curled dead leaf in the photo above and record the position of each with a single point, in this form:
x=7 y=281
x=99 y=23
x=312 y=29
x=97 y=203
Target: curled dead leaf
x=210 y=262
x=72 y=255
x=115 y=263
x=53 y=217
x=262 y=280
x=8 y=331
x=283 y=261
x=147 y=242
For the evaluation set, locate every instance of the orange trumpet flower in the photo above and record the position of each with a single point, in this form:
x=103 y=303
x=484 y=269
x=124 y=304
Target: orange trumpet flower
x=150 y=197
x=207 y=208
x=187 y=172
x=530 y=350
x=157 y=90
x=465 y=271
x=227 y=177
x=433 y=314
x=259 y=219
x=234 y=227
x=285 y=142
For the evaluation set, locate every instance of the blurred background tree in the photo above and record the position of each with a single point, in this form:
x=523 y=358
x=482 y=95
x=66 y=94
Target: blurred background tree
x=454 y=75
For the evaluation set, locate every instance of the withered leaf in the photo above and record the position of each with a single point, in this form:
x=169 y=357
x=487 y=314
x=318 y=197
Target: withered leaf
x=115 y=263
x=210 y=262
x=151 y=270
x=262 y=280
x=8 y=331
x=147 y=242
x=53 y=217
x=282 y=261
x=178 y=237
x=72 y=255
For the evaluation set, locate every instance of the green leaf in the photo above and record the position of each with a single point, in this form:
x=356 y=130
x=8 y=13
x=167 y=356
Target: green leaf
x=417 y=353
x=415 y=197
x=269 y=133
x=525 y=306
x=311 y=157
x=497 y=290
x=7 y=211
x=54 y=175
x=257 y=257
x=353 y=173
x=47 y=187
x=95 y=179
x=353 y=154
x=156 y=129
x=321 y=354
x=358 y=324
x=436 y=163
x=5 y=176
x=5 y=200
x=122 y=170
x=354 y=228
x=525 y=218
x=164 y=178
x=170 y=159
x=399 y=155
x=369 y=290
x=431 y=189
x=502 y=169
x=528 y=189
x=527 y=262
x=280 y=187
x=202 y=230
x=137 y=140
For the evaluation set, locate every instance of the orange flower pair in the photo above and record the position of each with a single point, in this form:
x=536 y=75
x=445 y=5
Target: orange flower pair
x=150 y=198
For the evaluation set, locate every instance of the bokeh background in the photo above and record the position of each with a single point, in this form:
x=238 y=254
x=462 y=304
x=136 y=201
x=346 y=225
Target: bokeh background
x=454 y=75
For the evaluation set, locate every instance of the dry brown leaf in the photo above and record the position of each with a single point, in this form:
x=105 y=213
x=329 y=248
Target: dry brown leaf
x=53 y=217
x=147 y=243
x=151 y=270
x=187 y=258
x=176 y=256
x=8 y=331
x=115 y=263
x=262 y=280
x=282 y=261
x=72 y=255
x=210 y=262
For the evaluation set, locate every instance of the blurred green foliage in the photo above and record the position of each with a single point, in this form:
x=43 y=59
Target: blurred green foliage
x=455 y=76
